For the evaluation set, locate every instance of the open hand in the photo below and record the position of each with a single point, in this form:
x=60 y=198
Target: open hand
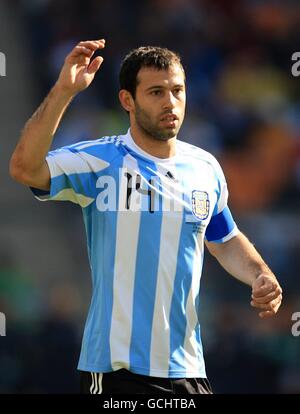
x=78 y=70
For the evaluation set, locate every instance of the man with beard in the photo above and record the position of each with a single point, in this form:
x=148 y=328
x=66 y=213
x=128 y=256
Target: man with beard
x=149 y=202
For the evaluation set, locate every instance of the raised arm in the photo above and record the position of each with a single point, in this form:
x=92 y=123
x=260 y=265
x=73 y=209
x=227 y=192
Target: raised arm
x=240 y=258
x=28 y=165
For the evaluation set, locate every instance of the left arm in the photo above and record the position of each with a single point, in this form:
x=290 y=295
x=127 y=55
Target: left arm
x=240 y=258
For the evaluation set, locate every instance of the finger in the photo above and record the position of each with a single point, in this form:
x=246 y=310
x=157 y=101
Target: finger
x=271 y=312
x=93 y=44
x=259 y=282
x=272 y=301
x=95 y=64
x=266 y=314
x=267 y=298
x=93 y=41
x=265 y=289
x=85 y=49
x=267 y=306
x=81 y=50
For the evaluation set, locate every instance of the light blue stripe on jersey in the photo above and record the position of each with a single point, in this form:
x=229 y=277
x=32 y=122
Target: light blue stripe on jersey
x=145 y=281
x=102 y=147
x=220 y=226
x=182 y=286
x=97 y=315
x=81 y=183
x=96 y=353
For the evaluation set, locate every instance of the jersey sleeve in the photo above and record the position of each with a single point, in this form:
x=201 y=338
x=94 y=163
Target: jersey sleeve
x=72 y=176
x=222 y=226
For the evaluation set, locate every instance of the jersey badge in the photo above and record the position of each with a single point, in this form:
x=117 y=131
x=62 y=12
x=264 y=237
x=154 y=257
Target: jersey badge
x=200 y=204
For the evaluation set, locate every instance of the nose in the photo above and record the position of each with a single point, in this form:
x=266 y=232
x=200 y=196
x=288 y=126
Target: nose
x=170 y=101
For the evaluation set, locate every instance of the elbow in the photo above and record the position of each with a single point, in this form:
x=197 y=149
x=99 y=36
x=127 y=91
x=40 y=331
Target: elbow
x=16 y=170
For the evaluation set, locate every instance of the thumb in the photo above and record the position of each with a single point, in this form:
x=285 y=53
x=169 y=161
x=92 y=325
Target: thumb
x=95 y=65
x=258 y=283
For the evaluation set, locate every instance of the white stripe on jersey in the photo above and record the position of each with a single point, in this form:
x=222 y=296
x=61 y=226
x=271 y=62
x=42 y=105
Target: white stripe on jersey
x=190 y=343
x=100 y=141
x=84 y=163
x=169 y=242
x=128 y=224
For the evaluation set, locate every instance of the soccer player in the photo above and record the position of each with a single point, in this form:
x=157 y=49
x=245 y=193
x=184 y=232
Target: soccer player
x=149 y=204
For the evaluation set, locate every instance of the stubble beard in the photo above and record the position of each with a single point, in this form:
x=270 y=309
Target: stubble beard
x=144 y=122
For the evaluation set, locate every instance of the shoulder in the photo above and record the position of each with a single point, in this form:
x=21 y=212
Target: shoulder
x=198 y=155
x=106 y=143
x=105 y=148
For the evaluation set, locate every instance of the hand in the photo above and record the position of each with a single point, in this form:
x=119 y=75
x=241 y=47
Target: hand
x=78 y=71
x=266 y=295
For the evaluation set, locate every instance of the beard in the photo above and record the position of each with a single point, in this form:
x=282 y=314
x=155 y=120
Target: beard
x=151 y=128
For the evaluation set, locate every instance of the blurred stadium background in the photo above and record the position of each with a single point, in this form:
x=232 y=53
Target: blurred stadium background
x=243 y=106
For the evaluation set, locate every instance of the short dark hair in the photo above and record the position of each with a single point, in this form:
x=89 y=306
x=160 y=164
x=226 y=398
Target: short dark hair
x=145 y=56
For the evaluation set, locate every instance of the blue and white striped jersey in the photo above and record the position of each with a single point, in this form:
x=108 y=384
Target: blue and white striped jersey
x=146 y=219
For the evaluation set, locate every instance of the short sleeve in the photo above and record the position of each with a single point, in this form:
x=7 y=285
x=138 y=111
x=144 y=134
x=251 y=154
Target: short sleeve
x=222 y=226
x=72 y=175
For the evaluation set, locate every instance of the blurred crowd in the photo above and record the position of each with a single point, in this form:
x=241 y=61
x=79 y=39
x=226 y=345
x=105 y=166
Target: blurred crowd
x=243 y=105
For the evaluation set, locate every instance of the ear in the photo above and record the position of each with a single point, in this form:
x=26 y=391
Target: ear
x=126 y=100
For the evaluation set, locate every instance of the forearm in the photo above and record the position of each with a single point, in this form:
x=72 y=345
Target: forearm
x=240 y=258
x=38 y=133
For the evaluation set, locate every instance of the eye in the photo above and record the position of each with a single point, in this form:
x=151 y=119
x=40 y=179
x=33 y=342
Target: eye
x=177 y=91
x=156 y=92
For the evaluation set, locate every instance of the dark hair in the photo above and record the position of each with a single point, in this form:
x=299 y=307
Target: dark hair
x=145 y=56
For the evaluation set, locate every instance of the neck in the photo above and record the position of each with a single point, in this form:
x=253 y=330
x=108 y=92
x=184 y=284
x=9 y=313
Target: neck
x=154 y=147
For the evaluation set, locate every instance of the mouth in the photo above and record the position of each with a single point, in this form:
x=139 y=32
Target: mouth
x=169 y=120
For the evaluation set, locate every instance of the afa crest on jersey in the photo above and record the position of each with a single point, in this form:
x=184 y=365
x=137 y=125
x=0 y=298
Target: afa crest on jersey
x=200 y=204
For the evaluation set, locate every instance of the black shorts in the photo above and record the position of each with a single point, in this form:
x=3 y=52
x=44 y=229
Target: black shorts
x=126 y=382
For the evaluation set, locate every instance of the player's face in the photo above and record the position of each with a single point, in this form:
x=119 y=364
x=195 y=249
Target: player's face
x=159 y=103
